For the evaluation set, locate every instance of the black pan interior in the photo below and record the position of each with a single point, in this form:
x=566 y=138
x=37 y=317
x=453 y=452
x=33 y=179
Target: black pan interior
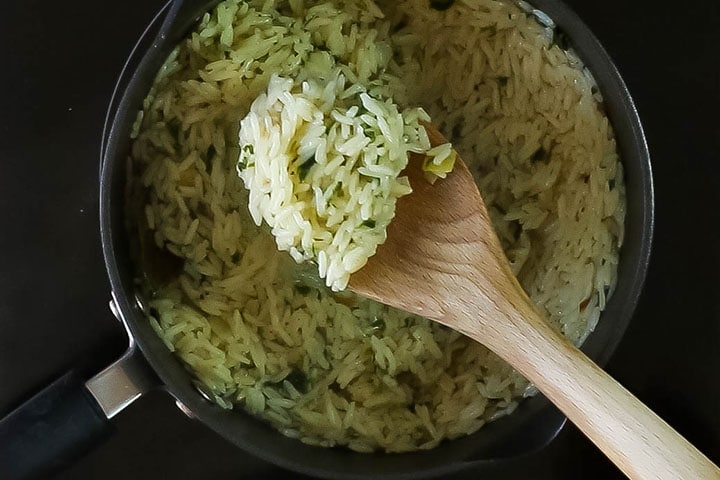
x=535 y=422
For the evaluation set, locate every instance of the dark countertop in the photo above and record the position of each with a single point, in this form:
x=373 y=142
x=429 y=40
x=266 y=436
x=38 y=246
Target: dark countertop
x=61 y=61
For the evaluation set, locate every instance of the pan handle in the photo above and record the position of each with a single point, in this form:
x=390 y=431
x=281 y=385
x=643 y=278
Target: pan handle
x=69 y=417
x=51 y=429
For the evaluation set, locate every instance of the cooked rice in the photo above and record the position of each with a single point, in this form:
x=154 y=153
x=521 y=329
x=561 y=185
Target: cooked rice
x=334 y=369
x=321 y=160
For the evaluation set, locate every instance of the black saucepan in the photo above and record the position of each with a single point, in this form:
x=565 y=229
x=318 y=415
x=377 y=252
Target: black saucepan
x=71 y=415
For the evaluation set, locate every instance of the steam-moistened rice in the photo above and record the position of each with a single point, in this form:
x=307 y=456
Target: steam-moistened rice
x=330 y=368
x=321 y=161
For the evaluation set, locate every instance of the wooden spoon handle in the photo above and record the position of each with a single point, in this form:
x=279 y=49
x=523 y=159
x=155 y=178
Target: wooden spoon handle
x=639 y=442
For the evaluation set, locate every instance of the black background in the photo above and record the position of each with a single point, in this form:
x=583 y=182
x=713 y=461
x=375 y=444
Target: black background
x=58 y=68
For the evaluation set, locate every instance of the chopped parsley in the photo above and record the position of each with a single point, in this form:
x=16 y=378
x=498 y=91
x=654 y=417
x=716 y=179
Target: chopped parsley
x=244 y=161
x=243 y=164
x=304 y=169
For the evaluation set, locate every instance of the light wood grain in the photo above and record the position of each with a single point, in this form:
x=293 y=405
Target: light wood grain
x=443 y=260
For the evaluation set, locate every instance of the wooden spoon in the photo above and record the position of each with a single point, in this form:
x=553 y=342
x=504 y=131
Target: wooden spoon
x=442 y=260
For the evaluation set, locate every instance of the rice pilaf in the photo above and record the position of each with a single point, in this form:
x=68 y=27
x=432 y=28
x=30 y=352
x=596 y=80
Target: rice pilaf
x=331 y=368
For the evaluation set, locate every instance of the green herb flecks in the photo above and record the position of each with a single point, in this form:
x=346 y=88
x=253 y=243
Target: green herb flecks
x=246 y=154
x=304 y=169
x=370 y=223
